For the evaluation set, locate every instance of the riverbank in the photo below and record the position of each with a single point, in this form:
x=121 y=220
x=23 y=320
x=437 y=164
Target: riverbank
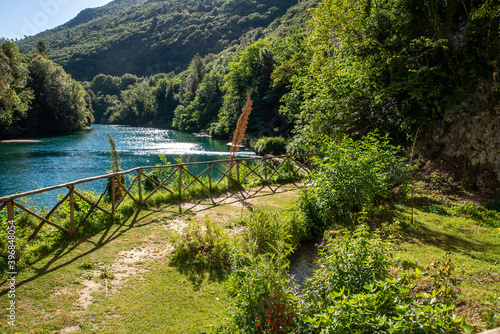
x=123 y=279
x=20 y=141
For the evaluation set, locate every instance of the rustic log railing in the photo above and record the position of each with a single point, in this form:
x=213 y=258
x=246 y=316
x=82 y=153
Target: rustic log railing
x=237 y=171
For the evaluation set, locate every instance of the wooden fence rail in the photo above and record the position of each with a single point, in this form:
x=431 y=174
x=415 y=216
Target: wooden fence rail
x=237 y=171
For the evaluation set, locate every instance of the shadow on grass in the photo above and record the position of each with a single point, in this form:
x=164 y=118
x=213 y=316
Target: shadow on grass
x=111 y=233
x=242 y=196
x=197 y=274
x=114 y=231
x=448 y=241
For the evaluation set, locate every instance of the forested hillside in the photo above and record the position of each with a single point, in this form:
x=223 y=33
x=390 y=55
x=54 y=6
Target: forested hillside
x=315 y=69
x=146 y=37
x=395 y=66
x=209 y=94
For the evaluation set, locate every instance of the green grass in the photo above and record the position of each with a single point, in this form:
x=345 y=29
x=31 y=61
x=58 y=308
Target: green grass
x=157 y=298
x=164 y=301
x=469 y=233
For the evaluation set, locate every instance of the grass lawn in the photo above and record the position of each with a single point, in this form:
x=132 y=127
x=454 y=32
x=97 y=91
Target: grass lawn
x=121 y=280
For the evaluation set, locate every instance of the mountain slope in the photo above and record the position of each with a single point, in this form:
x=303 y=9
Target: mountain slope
x=145 y=37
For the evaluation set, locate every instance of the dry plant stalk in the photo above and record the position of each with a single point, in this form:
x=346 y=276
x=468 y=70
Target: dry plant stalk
x=241 y=126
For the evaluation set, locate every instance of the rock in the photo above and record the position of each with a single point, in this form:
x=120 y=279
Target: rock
x=473 y=143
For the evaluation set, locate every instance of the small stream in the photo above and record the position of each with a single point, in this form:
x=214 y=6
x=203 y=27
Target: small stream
x=303 y=262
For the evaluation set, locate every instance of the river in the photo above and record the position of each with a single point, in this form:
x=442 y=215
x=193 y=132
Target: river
x=28 y=165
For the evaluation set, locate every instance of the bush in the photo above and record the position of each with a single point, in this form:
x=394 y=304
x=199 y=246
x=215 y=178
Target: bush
x=386 y=307
x=257 y=287
x=209 y=249
x=259 y=281
x=352 y=175
x=348 y=262
x=270 y=145
x=266 y=231
x=352 y=293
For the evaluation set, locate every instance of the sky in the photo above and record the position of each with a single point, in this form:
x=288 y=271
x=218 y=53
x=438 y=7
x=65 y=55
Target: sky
x=29 y=17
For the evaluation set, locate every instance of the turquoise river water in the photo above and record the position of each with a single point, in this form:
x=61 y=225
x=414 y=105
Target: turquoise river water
x=28 y=165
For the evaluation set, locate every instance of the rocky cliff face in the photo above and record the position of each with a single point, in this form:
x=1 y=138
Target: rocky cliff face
x=474 y=141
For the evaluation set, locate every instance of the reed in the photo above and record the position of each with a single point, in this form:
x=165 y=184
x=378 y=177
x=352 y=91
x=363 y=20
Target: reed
x=241 y=126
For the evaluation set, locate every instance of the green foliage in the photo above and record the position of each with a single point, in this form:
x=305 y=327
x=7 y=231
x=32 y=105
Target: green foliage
x=270 y=145
x=255 y=285
x=205 y=97
x=486 y=216
x=37 y=97
x=387 y=307
x=87 y=266
x=352 y=175
x=351 y=292
x=202 y=249
x=60 y=105
x=15 y=97
x=105 y=273
x=259 y=281
x=393 y=66
x=442 y=273
x=266 y=232
x=148 y=37
x=348 y=262
x=249 y=70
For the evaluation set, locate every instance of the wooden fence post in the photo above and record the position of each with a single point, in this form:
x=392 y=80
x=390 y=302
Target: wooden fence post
x=288 y=163
x=265 y=169
x=180 y=182
x=210 y=177
x=10 y=211
x=113 y=200
x=139 y=179
x=72 y=210
x=238 y=171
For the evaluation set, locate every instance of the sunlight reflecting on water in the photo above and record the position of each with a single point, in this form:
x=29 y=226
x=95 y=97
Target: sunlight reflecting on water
x=28 y=165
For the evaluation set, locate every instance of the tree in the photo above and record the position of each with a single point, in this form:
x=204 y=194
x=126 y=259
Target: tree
x=41 y=49
x=392 y=65
x=249 y=70
x=15 y=97
x=60 y=105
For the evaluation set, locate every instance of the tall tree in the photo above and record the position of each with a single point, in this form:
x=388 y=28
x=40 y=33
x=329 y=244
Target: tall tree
x=61 y=104
x=392 y=65
x=15 y=97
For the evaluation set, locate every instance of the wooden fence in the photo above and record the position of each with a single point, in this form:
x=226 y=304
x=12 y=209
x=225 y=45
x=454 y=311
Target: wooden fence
x=237 y=171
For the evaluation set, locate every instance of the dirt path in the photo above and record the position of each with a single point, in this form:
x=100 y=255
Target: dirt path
x=136 y=261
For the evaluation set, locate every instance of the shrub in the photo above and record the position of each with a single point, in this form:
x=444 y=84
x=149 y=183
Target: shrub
x=351 y=292
x=258 y=287
x=352 y=175
x=349 y=262
x=209 y=249
x=266 y=231
x=386 y=307
x=259 y=281
x=270 y=145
